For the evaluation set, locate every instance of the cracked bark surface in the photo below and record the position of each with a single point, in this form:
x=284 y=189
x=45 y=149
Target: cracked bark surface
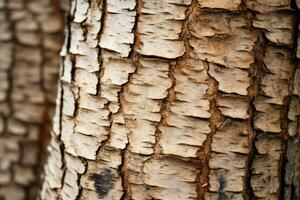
x=30 y=41
x=177 y=99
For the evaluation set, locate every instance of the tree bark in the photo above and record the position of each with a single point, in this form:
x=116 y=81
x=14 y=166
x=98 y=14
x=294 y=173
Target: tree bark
x=30 y=40
x=177 y=99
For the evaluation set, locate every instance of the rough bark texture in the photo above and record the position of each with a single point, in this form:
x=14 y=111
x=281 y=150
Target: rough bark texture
x=30 y=40
x=177 y=99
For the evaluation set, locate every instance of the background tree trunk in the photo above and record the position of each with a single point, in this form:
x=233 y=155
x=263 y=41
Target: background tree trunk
x=177 y=99
x=30 y=40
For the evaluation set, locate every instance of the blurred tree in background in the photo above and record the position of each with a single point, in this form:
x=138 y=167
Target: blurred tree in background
x=31 y=33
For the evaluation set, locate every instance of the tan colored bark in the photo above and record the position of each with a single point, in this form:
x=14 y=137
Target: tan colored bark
x=177 y=99
x=30 y=39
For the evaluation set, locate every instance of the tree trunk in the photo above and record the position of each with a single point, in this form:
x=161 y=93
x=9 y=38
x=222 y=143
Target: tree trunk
x=30 y=40
x=177 y=100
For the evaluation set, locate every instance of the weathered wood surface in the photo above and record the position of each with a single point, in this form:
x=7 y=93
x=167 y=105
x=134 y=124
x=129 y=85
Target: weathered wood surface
x=177 y=99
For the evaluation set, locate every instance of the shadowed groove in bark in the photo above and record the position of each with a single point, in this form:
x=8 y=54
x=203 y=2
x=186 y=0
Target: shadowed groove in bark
x=215 y=121
x=165 y=109
x=287 y=101
x=67 y=34
x=166 y=102
x=255 y=73
x=100 y=72
x=203 y=154
x=134 y=57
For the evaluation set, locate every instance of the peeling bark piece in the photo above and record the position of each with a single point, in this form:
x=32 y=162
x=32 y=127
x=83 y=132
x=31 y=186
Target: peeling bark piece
x=228 y=161
x=74 y=164
x=278 y=26
x=118 y=136
x=166 y=180
x=56 y=125
x=227 y=52
x=275 y=85
x=230 y=80
x=266 y=164
x=118 y=27
x=67 y=131
x=142 y=103
x=144 y=82
x=183 y=141
x=86 y=146
x=224 y=4
x=116 y=71
x=139 y=192
x=86 y=81
x=160 y=26
x=275 y=88
x=68 y=101
x=142 y=136
x=268 y=117
x=53 y=170
x=81 y=10
x=218 y=39
x=143 y=94
x=88 y=62
x=91 y=102
x=264 y=6
x=47 y=192
x=77 y=44
x=88 y=41
x=70 y=189
x=190 y=90
x=206 y=23
x=233 y=106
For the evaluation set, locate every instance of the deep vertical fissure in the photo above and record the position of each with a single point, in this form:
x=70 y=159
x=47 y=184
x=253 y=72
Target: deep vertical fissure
x=287 y=101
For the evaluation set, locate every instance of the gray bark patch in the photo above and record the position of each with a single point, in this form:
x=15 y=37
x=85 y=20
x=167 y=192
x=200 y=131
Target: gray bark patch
x=103 y=182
